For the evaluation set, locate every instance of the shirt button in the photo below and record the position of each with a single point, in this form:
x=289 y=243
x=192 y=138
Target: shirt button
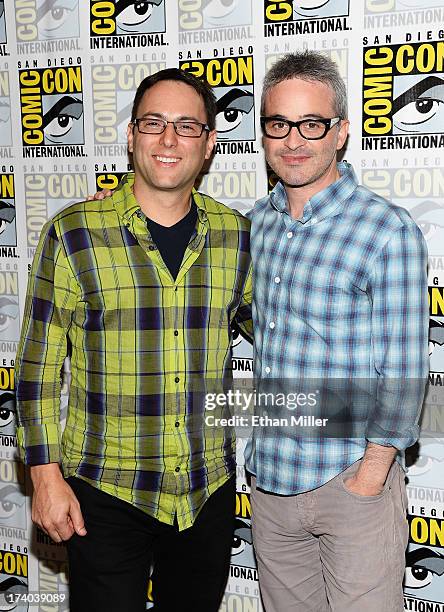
x=277 y=280
x=177 y=424
x=272 y=324
x=314 y=220
x=177 y=379
x=290 y=235
x=267 y=370
x=177 y=469
x=176 y=333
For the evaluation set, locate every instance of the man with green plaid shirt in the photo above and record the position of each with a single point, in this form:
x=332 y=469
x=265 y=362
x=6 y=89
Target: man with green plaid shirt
x=140 y=289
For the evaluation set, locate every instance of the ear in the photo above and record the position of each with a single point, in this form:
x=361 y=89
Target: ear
x=342 y=133
x=211 y=141
x=130 y=136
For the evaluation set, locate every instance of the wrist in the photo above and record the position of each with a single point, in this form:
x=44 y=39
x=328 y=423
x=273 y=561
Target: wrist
x=45 y=471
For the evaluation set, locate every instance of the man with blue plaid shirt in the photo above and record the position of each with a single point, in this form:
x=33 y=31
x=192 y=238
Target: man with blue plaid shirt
x=340 y=309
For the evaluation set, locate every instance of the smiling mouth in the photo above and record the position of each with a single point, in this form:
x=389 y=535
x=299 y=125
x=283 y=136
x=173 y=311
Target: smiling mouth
x=167 y=160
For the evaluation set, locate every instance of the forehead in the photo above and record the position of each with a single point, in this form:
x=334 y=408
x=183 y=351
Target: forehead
x=172 y=98
x=298 y=97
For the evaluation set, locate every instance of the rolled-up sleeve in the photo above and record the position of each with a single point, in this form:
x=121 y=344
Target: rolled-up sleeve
x=399 y=328
x=51 y=298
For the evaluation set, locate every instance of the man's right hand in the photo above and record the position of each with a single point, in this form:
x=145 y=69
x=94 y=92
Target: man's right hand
x=55 y=508
x=100 y=195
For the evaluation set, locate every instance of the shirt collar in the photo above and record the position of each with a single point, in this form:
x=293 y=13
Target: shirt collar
x=126 y=204
x=323 y=204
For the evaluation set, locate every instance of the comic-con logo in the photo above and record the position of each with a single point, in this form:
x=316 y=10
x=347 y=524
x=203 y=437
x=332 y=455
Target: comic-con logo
x=52 y=111
x=214 y=20
x=46 y=20
x=305 y=16
x=232 y=80
x=113 y=87
x=137 y=24
x=9 y=311
x=46 y=194
x=403 y=95
x=5 y=110
x=8 y=231
x=13 y=580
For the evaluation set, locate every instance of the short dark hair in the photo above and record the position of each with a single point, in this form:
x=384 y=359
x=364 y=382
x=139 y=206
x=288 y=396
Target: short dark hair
x=308 y=66
x=175 y=74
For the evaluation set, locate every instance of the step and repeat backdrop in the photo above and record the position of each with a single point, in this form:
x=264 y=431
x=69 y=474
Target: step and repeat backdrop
x=68 y=73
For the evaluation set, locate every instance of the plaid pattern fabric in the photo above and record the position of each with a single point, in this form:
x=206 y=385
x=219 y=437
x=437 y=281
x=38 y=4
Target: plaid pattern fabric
x=139 y=342
x=340 y=294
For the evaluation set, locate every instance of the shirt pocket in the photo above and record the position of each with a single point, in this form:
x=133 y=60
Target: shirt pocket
x=320 y=292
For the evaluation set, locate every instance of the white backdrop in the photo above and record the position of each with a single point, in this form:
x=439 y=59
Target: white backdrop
x=68 y=73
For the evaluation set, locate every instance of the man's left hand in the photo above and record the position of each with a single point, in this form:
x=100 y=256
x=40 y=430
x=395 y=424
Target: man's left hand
x=361 y=487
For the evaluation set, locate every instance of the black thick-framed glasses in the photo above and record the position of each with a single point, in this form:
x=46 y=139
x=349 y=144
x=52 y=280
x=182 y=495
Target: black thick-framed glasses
x=156 y=125
x=310 y=129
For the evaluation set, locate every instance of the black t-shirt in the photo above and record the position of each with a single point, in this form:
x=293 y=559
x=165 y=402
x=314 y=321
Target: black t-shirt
x=173 y=241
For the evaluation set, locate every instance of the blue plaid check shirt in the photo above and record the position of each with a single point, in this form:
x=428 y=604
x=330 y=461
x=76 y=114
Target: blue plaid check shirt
x=339 y=294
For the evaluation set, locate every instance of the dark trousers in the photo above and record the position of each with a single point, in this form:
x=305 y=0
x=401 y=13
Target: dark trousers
x=109 y=567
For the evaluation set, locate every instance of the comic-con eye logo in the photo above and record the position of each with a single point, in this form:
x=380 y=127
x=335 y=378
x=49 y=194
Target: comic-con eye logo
x=233 y=84
x=52 y=106
x=124 y=17
x=9 y=307
x=242 y=545
x=7 y=413
x=2 y=22
x=428 y=214
x=275 y=10
x=403 y=89
x=8 y=233
x=47 y=19
x=436 y=345
x=209 y=14
x=424 y=575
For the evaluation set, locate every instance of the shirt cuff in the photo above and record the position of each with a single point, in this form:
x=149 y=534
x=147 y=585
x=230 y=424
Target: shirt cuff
x=40 y=444
x=400 y=442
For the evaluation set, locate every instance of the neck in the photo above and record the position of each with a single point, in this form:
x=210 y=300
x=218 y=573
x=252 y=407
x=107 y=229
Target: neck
x=298 y=196
x=164 y=207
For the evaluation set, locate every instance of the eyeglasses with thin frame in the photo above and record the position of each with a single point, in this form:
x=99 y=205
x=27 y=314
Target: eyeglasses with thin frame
x=156 y=125
x=310 y=129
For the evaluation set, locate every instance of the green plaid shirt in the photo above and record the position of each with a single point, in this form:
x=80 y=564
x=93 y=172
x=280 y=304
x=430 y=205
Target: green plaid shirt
x=141 y=343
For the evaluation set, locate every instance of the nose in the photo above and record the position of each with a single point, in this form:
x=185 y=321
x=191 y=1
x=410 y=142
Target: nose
x=169 y=136
x=294 y=139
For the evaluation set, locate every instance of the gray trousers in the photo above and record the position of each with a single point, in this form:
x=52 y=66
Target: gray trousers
x=330 y=549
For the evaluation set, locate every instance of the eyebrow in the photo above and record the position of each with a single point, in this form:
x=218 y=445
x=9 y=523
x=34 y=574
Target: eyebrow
x=160 y=116
x=307 y=116
x=414 y=92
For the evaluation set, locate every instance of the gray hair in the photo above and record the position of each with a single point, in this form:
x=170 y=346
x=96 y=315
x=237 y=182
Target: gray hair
x=308 y=66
